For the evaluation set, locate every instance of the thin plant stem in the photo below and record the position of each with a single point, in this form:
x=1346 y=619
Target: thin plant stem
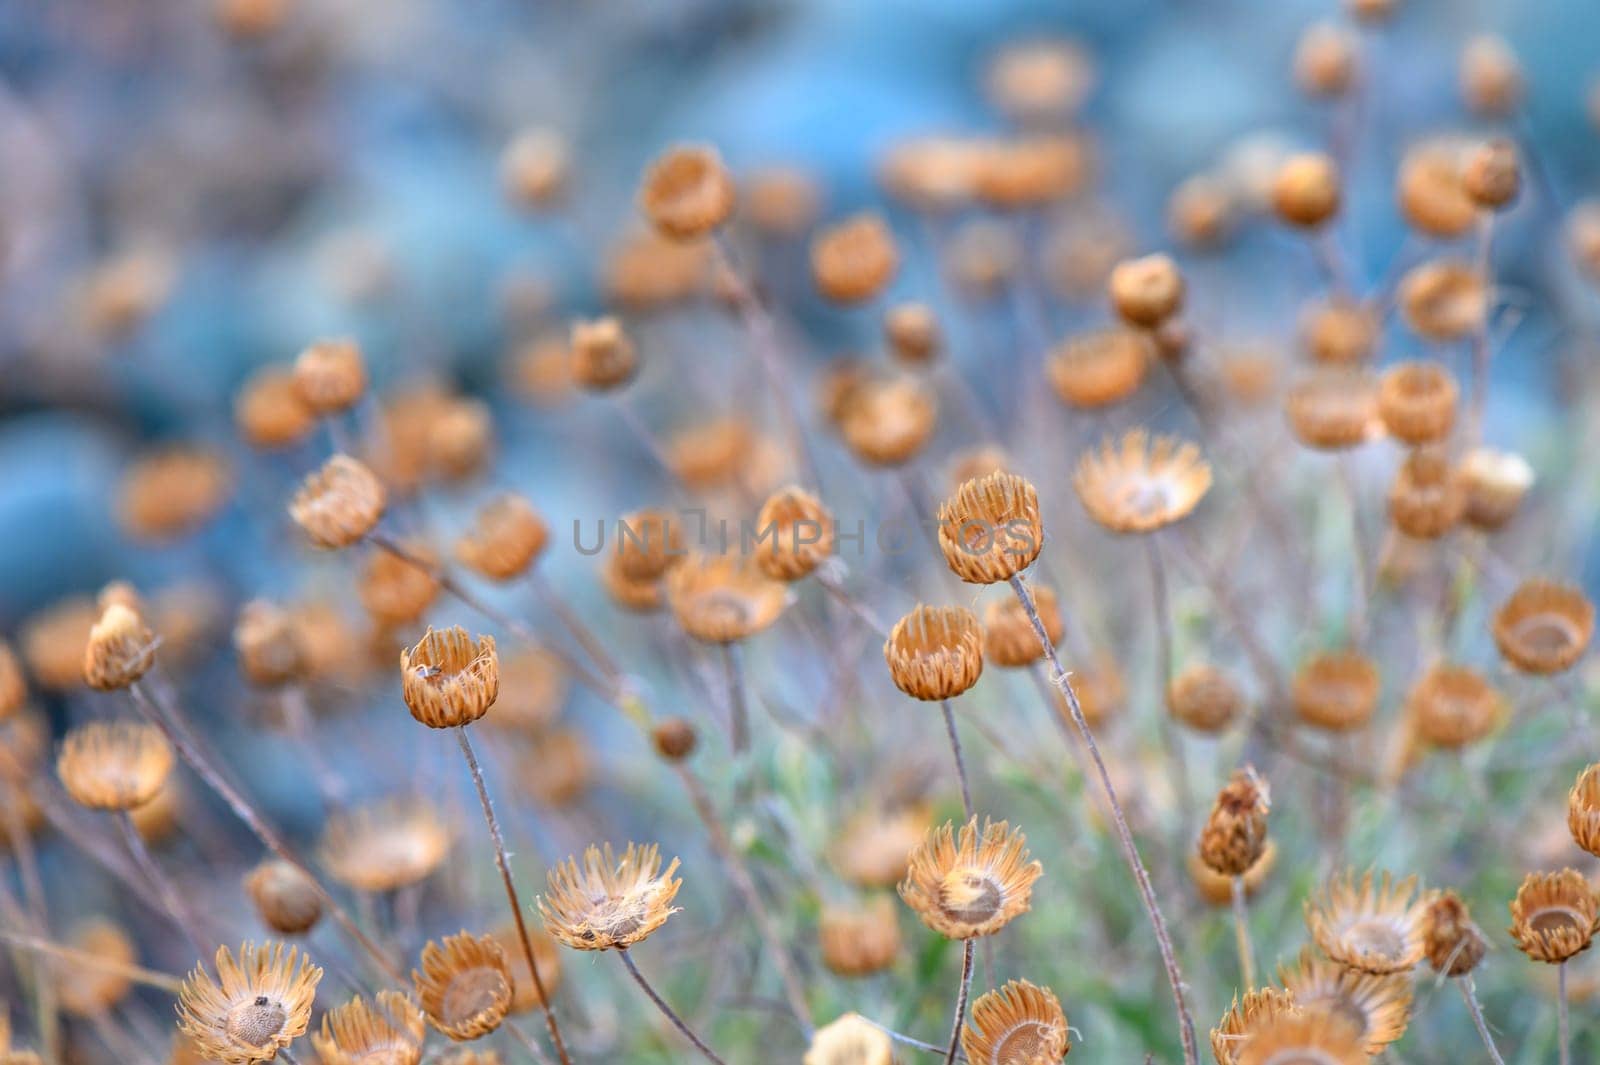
x=738 y=704
x=511 y=890
x=1480 y=336
x=961 y=1001
x=1563 y=1026
x=171 y=901
x=1470 y=994
x=33 y=900
x=297 y=715
x=955 y=750
x=145 y=977
x=1130 y=852
x=526 y=1039
x=917 y=1044
x=1171 y=737
x=166 y=720
x=1241 y=931
x=591 y=644
x=666 y=1010
x=1361 y=564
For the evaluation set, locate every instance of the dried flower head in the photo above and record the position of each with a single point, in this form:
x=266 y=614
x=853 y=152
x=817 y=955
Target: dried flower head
x=1146 y=291
x=1018 y=1024
x=1325 y=60
x=1008 y=636
x=932 y=174
x=1583 y=237
x=609 y=903
x=935 y=652
x=339 y=503
x=1333 y=408
x=850 y=1040
x=285 y=898
x=1202 y=212
x=874 y=850
x=396 y=589
x=254 y=1008
x=507 y=537
x=534 y=168
x=1544 y=627
x=1245 y=1017
x=888 y=422
x=1340 y=331
x=1315 y=1038
x=990 y=529
x=795 y=534
x=546 y=951
x=121 y=649
x=1427 y=497
x=913 y=333
x=1444 y=300
x=1380 y=1005
x=1453 y=944
x=1453 y=706
x=860 y=941
x=854 y=260
x=450 y=679
x=533 y=689
x=1555 y=915
x=460 y=436
x=330 y=376
x=387 y=1031
x=1432 y=196
x=687 y=193
x=648 y=272
x=723 y=598
x=1491 y=77
x=269 y=413
x=385 y=845
x=710 y=454
x=1336 y=690
x=1217 y=889
x=1235 y=835
x=1583 y=810
x=114 y=765
x=1205 y=698
x=268 y=644
x=780 y=201
x=13 y=685
x=464 y=986
x=1495 y=482
x=1372 y=925
x=1098 y=369
x=1305 y=191
x=91 y=991
x=972 y=884
x=1042 y=80
x=603 y=356
x=170 y=493
x=1492 y=174
x=1137 y=485
x=557 y=767
x=1417 y=401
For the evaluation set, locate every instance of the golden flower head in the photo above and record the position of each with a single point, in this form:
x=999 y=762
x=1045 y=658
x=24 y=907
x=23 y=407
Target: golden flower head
x=524 y=992
x=339 y=503
x=1217 y=888
x=1336 y=690
x=1495 y=482
x=603 y=356
x=1202 y=212
x=642 y=596
x=114 y=765
x=450 y=679
x=1018 y=1024
x=780 y=201
x=534 y=169
x=649 y=272
x=874 y=850
x=1452 y=944
x=1444 y=300
x=1305 y=191
x=533 y=689
x=464 y=985
x=850 y=1040
x=1246 y=1016
x=459 y=438
x=1205 y=698
x=1235 y=835
x=935 y=652
x=1146 y=292
x=1380 y=1005
x=913 y=333
x=972 y=884
x=1315 y=1038
x=1098 y=369
x=268 y=644
x=887 y=422
x=1432 y=196
x=862 y=940
x=389 y=1030
x=1325 y=60
x=1427 y=496
x=854 y=260
x=795 y=534
x=121 y=649
x=1583 y=810
x=508 y=537
x=935 y=174
x=711 y=454
x=170 y=493
x=1492 y=174
x=1417 y=401
x=1034 y=170
x=1138 y=485
x=687 y=193
x=1043 y=80
x=1333 y=408
x=1491 y=78
x=330 y=376
x=990 y=529
x=1555 y=915
x=1339 y=331
x=609 y=902
x=556 y=767
x=269 y=413
x=1544 y=627
x=285 y=898
x=89 y=991
x=723 y=598
x=1373 y=925
x=1453 y=706
x=13 y=685
x=385 y=845
x=256 y=1006
x=1009 y=639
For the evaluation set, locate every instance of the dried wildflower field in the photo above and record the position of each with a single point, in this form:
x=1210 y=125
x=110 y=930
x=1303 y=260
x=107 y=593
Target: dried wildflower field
x=1039 y=581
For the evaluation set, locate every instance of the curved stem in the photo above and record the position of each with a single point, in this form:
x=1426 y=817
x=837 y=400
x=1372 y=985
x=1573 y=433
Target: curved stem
x=961 y=1001
x=1563 y=1026
x=666 y=1010
x=171 y=901
x=1130 y=852
x=1470 y=994
x=511 y=890
x=20 y=838
x=955 y=749
x=1170 y=735
x=1480 y=337
x=738 y=705
x=1241 y=928
x=133 y=973
x=1361 y=578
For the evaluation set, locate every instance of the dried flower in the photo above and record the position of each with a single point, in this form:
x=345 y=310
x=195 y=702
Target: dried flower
x=1432 y=196
x=1544 y=627
x=1325 y=60
x=603 y=357
x=385 y=845
x=464 y=986
x=1305 y=192
x=990 y=529
x=850 y=1040
x=1332 y=409
x=1373 y=926
x=1235 y=835
x=387 y=1031
x=107 y=765
x=339 y=503
x=888 y=422
x=397 y=590
x=1030 y=172
x=285 y=898
x=1380 y=1005
x=330 y=376
x=913 y=333
x=935 y=653
x=1495 y=482
x=854 y=260
x=269 y=412
x=13 y=686
x=1247 y=1016
x=710 y=454
x=1555 y=915
x=557 y=767
x=121 y=649
x=780 y=201
x=1217 y=889
x=674 y=738
x=1042 y=80
x=1453 y=944
x=268 y=644
x=534 y=168
x=1008 y=636
x=1322 y=1038
x=1336 y=690
x=861 y=941
x=1094 y=370
x=1583 y=810
x=508 y=536
x=1444 y=300
x=795 y=534
x=1417 y=401
x=170 y=493
x=723 y=598
x=687 y=193
x=973 y=884
x=460 y=435
x=874 y=850
x=1340 y=331
x=1018 y=1023
x=524 y=992
x=1453 y=706
x=1138 y=485
x=255 y=1007
x=91 y=991
x=1491 y=77
x=1427 y=497
x=1202 y=212
x=450 y=679
x=1205 y=698
x=1492 y=174
x=1147 y=291
x=609 y=902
